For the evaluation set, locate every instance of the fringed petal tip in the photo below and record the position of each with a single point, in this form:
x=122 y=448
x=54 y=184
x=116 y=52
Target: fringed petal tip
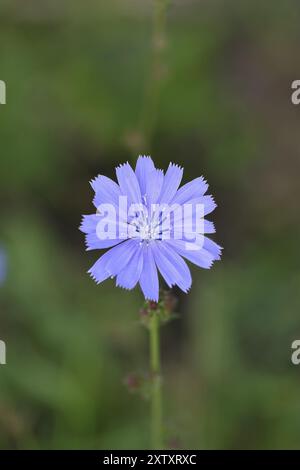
x=87 y=244
x=93 y=181
x=209 y=264
x=217 y=257
x=93 y=277
x=151 y=298
x=219 y=248
x=209 y=204
x=81 y=226
x=118 y=284
x=209 y=227
x=122 y=165
x=175 y=165
x=187 y=290
x=212 y=199
x=145 y=157
x=87 y=223
x=213 y=248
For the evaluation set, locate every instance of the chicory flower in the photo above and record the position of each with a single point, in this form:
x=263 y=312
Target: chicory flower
x=149 y=224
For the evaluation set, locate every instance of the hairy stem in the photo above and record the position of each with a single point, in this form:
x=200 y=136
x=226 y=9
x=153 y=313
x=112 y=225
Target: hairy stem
x=156 y=392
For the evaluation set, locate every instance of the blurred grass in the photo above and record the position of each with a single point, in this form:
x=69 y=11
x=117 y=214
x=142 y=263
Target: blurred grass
x=75 y=83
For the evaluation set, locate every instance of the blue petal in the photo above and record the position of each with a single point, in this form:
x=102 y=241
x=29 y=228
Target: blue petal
x=153 y=188
x=186 y=218
x=194 y=189
x=129 y=184
x=120 y=256
x=213 y=248
x=130 y=275
x=189 y=221
x=172 y=180
x=188 y=230
x=144 y=167
x=199 y=256
x=106 y=191
x=149 y=277
x=89 y=223
x=171 y=266
x=98 y=271
x=207 y=201
x=209 y=226
x=93 y=242
x=113 y=261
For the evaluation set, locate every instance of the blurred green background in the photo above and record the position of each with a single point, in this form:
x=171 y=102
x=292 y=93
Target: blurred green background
x=76 y=74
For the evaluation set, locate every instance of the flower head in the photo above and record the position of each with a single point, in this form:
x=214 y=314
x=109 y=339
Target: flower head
x=150 y=224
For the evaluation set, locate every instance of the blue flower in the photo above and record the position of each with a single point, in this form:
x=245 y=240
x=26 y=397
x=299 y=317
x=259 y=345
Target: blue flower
x=3 y=265
x=150 y=224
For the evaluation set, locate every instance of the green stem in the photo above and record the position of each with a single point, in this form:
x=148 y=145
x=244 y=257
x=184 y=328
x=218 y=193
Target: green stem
x=156 y=395
x=156 y=75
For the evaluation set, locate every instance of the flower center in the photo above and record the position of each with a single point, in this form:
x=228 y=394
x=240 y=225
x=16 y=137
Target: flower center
x=145 y=228
x=148 y=232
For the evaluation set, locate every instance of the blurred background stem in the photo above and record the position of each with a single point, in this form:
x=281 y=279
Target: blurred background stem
x=156 y=74
x=156 y=395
